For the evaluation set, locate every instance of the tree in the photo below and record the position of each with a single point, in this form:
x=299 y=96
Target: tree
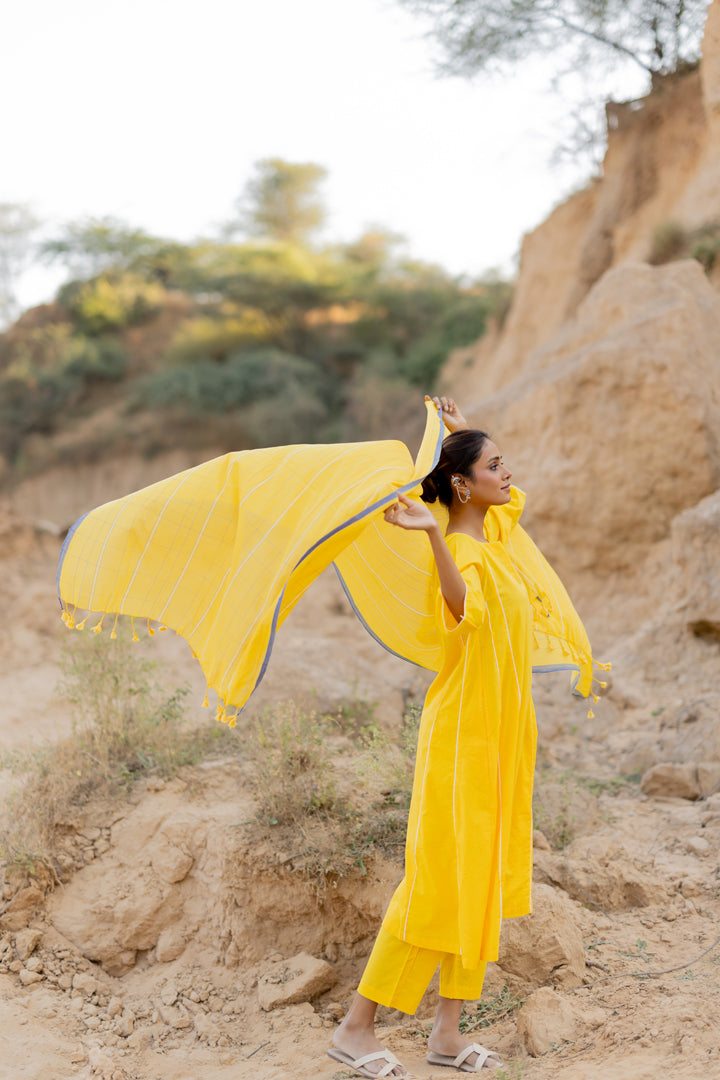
x=281 y=201
x=17 y=224
x=90 y=246
x=661 y=36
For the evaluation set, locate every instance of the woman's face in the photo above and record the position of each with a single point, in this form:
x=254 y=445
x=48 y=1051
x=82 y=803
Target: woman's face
x=489 y=480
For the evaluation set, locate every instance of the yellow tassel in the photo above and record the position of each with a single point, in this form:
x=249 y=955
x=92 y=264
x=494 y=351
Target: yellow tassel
x=595 y=698
x=81 y=625
x=134 y=633
x=591 y=714
x=162 y=628
x=232 y=720
x=603 y=684
x=98 y=626
x=151 y=631
x=206 y=703
x=113 y=635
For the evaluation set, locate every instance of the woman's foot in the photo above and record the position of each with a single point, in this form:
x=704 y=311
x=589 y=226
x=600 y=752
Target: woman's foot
x=449 y=1044
x=356 y=1041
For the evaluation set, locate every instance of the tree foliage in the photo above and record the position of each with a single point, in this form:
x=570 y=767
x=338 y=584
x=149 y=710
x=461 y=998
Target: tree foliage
x=268 y=340
x=17 y=224
x=658 y=35
x=281 y=201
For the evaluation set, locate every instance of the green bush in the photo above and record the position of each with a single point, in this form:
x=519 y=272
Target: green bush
x=88 y=359
x=245 y=378
x=216 y=337
x=110 y=302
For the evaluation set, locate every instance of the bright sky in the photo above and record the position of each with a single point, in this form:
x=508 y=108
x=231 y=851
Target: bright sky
x=154 y=111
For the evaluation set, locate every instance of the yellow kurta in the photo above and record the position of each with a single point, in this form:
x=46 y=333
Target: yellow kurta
x=222 y=553
x=468 y=856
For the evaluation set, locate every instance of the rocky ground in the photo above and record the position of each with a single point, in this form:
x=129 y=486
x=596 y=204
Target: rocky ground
x=180 y=944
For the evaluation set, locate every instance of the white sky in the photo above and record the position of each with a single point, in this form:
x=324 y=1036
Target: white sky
x=154 y=111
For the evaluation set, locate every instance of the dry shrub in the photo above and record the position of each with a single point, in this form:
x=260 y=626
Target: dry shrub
x=294 y=777
x=329 y=818
x=125 y=725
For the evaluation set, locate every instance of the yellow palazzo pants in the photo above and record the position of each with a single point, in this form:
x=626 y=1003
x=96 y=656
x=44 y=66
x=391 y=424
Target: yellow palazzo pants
x=397 y=974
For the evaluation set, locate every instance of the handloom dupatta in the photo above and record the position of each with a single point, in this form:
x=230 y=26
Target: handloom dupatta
x=221 y=553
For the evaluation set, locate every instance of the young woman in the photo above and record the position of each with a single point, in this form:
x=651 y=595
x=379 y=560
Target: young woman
x=469 y=842
x=222 y=552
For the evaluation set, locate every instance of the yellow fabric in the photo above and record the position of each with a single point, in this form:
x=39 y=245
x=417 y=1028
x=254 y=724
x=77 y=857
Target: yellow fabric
x=468 y=857
x=397 y=974
x=388 y=576
x=222 y=553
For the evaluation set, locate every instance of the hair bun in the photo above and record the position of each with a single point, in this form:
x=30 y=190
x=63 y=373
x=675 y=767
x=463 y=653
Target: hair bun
x=429 y=490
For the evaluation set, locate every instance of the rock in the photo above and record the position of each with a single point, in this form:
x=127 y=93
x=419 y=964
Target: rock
x=21 y=909
x=614 y=376
x=171 y=864
x=140 y=1039
x=540 y=841
x=169 y=994
x=125 y=1025
x=545 y=946
x=695 y=537
x=599 y=869
x=699 y=845
x=290 y=982
x=86 y=983
x=171 y=943
x=26 y=941
x=671 y=781
x=709 y=778
x=545 y=1020
x=115 y=1006
x=175 y=1017
x=120 y=963
x=27 y=978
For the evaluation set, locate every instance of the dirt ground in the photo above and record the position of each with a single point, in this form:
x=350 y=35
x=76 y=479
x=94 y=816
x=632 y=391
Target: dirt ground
x=639 y=880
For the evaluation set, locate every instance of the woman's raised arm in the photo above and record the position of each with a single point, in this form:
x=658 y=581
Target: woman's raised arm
x=407 y=514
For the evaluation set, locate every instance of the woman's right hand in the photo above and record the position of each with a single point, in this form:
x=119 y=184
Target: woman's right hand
x=452 y=417
x=408 y=514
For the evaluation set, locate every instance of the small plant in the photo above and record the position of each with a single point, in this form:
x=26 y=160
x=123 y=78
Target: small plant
x=125 y=725
x=294 y=778
x=488 y=1011
x=389 y=764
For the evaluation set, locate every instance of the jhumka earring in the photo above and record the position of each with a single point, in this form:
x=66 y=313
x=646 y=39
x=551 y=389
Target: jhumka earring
x=462 y=493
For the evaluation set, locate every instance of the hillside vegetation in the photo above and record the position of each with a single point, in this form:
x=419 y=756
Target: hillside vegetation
x=252 y=342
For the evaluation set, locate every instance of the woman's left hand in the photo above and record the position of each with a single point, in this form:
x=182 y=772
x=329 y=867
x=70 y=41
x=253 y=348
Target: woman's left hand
x=410 y=515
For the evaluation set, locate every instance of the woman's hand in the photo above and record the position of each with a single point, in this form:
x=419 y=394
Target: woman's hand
x=452 y=417
x=410 y=515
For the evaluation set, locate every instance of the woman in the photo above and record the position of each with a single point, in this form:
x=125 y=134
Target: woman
x=222 y=552
x=469 y=841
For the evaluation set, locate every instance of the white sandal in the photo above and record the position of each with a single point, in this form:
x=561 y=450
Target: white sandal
x=487 y=1059
x=358 y=1064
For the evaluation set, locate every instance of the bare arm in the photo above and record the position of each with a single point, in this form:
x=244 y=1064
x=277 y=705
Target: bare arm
x=411 y=515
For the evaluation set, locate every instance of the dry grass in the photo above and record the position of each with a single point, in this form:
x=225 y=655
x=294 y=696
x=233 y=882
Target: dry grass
x=126 y=724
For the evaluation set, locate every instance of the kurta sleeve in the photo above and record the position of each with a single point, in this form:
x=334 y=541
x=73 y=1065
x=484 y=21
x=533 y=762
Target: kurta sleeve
x=474 y=609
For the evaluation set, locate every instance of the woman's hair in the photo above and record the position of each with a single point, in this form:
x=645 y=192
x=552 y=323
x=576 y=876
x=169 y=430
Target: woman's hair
x=459 y=453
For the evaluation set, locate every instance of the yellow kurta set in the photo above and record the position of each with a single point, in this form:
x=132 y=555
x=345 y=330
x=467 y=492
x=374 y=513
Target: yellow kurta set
x=221 y=554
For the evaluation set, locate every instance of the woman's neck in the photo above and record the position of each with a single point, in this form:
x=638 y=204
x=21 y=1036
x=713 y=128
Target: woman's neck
x=467 y=519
